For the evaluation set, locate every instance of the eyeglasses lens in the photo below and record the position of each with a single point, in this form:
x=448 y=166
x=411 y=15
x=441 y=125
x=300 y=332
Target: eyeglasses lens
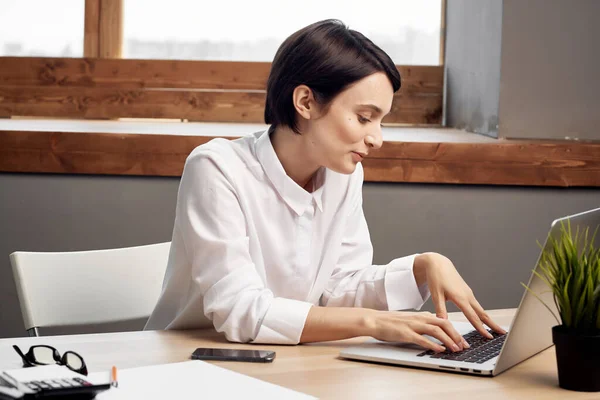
x=73 y=361
x=43 y=355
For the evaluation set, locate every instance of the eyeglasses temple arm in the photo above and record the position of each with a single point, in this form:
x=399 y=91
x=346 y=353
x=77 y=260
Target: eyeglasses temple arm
x=23 y=356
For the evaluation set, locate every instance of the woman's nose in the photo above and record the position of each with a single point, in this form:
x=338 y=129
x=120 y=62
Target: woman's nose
x=374 y=139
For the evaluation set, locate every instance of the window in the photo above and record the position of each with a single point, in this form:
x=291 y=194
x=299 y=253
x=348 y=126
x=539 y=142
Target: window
x=41 y=28
x=408 y=30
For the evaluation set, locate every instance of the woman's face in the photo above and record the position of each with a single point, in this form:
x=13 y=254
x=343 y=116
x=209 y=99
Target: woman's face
x=351 y=127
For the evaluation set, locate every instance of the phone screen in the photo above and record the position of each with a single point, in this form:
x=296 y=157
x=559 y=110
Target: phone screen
x=233 y=355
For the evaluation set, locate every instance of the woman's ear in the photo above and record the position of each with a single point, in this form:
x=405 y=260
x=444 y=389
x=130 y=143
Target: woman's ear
x=304 y=102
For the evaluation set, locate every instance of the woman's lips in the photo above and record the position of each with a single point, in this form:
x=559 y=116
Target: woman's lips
x=357 y=157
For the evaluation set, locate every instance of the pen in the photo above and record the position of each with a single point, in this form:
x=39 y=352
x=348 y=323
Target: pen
x=113 y=377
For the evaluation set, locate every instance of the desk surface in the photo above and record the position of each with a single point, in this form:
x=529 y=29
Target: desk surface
x=314 y=369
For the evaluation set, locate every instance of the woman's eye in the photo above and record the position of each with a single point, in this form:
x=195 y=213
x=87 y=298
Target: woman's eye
x=363 y=120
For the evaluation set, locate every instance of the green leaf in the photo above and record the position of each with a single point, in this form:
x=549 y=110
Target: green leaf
x=543 y=278
x=566 y=312
x=570 y=267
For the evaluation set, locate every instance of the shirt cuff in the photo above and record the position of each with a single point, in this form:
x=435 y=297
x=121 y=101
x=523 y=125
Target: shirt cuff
x=284 y=321
x=401 y=288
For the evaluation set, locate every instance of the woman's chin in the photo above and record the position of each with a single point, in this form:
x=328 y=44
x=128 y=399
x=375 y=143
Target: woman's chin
x=346 y=168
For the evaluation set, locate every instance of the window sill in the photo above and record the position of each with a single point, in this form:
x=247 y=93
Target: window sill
x=419 y=155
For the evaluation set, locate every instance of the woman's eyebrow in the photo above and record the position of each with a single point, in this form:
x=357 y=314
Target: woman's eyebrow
x=372 y=107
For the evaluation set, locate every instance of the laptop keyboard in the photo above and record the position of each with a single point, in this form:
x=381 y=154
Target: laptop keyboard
x=482 y=349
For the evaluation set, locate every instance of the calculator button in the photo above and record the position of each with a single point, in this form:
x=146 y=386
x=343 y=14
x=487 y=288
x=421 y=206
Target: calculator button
x=67 y=383
x=55 y=383
x=32 y=385
x=82 y=382
x=45 y=385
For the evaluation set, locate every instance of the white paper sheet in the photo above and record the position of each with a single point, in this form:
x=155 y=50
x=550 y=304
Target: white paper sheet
x=190 y=379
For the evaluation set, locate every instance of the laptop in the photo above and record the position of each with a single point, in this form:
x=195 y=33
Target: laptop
x=529 y=333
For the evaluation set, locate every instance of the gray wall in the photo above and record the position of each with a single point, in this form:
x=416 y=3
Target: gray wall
x=523 y=69
x=67 y=213
x=550 y=64
x=473 y=37
x=489 y=232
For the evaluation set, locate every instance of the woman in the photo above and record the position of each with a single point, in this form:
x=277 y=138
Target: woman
x=270 y=242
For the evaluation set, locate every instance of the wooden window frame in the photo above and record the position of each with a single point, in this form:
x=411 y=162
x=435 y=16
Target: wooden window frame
x=507 y=163
x=103 y=29
x=103 y=86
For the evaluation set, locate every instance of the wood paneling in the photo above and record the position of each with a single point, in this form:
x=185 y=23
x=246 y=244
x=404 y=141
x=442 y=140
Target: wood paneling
x=97 y=153
x=97 y=103
x=194 y=90
x=133 y=74
x=127 y=74
x=110 y=29
x=500 y=163
x=91 y=40
x=415 y=109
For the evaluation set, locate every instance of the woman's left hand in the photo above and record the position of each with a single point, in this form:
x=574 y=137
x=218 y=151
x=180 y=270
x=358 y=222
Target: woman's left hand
x=446 y=284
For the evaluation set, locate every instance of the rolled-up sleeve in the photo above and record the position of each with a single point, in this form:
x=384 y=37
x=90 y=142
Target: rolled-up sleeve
x=401 y=290
x=224 y=275
x=356 y=282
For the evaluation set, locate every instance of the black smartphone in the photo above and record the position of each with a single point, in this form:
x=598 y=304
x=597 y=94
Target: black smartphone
x=233 y=355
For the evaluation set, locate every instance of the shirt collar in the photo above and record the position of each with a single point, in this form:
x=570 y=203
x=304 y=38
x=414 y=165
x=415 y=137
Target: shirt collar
x=295 y=197
x=319 y=185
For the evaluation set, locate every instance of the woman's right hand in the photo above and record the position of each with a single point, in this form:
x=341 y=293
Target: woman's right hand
x=397 y=326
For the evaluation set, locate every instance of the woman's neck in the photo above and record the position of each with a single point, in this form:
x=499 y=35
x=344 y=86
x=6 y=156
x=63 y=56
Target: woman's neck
x=292 y=153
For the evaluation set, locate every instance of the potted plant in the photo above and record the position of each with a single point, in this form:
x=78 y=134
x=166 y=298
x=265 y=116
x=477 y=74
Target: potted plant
x=570 y=266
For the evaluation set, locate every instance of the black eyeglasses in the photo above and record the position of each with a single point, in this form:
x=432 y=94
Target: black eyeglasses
x=48 y=355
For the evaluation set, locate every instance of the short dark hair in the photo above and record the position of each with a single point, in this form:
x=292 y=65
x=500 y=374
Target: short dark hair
x=327 y=57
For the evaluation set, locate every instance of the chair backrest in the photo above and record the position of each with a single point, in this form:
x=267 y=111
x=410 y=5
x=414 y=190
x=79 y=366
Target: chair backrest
x=89 y=287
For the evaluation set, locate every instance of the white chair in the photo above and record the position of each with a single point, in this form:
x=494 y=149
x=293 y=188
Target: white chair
x=88 y=287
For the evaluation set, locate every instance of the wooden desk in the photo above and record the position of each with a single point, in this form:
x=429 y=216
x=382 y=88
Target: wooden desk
x=313 y=369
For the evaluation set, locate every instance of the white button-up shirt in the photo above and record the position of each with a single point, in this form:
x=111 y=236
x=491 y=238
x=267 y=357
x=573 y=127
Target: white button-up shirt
x=252 y=251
